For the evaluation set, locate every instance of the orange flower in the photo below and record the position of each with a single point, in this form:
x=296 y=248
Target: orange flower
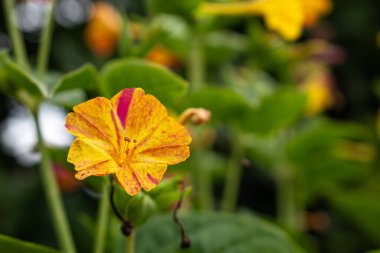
x=130 y=135
x=103 y=29
x=163 y=56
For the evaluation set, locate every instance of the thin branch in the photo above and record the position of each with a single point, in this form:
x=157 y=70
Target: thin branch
x=185 y=240
x=127 y=227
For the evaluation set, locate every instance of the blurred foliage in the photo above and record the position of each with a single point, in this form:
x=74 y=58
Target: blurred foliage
x=11 y=245
x=212 y=232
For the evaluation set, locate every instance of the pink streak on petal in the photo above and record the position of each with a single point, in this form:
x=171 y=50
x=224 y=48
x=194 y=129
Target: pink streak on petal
x=124 y=102
x=152 y=179
x=137 y=180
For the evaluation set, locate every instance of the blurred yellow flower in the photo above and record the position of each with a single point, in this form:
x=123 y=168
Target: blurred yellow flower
x=378 y=39
x=314 y=9
x=130 y=135
x=103 y=29
x=318 y=89
x=286 y=17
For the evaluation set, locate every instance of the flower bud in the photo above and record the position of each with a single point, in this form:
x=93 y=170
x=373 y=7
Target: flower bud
x=197 y=116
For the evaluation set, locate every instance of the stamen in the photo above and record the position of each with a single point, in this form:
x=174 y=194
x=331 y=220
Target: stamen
x=125 y=149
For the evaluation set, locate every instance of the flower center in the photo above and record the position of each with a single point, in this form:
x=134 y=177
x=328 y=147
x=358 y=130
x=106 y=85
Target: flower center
x=127 y=150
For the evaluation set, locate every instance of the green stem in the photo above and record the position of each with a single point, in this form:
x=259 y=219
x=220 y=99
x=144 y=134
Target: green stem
x=44 y=48
x=124 y=40
x=131 y=242
x=202 y=181
x=202 y=178
x=205 y=189
x=233 y=178
x=18 y=44
x=287 y=213
x=53 y=196
x=124 y=43
x=102 y=221
x=196 y=61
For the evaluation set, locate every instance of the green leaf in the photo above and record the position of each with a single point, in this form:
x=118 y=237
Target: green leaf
x=276 y=111
x=214 y=232
x=168 y=87
x=16 y=82
x=69 y=98
x=81 y=78
x=12 y=245
x=226 y=105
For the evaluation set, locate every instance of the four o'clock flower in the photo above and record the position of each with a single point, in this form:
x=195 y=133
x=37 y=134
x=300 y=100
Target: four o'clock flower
x=130 y=135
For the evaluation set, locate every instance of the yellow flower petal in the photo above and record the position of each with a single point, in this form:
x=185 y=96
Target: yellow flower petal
x=95 y=120
x=123 y=101
x=144 y=117
x=169 y=133
x=284 y=17
x=166 y=145
x=148 y=174
x=100 y=169
x=128 y=180
x=90 y=159
x=81 y=128
x=167 y=155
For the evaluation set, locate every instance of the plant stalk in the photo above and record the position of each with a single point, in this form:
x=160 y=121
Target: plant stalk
x=102 y=221
x=196 y=63
x=44 y=48
x=287 y=213
x=16 y=37
x=206 y=189
x=131 y=242
x=54 y=200
x=125 y=42
x=233 y=178
x=202 y=181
